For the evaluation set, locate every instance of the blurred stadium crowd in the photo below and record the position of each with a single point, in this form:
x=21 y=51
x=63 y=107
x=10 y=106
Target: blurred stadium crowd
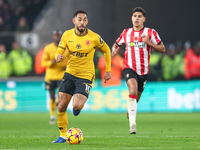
x=181 y=61
x=19 y=15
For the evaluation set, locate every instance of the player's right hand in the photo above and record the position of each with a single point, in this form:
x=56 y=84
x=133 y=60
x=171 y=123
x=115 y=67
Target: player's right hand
x=114 y=52
x=59 y=57
x=53 y=61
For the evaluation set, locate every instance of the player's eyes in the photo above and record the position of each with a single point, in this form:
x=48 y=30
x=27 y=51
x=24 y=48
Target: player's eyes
x=82 y=19
x=137 y=16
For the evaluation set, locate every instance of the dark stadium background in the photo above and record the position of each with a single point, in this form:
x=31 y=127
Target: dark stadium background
x=173 y=19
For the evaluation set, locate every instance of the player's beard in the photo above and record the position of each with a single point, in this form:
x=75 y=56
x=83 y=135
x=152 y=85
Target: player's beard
x=81 y=30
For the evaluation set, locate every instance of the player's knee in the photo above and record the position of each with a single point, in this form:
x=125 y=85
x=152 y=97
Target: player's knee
x=78 y=107
x=132 y=92
x=62 y=106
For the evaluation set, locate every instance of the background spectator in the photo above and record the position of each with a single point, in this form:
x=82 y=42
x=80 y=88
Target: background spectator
x=6 y=12
x=12 y=10
x=5 y=67
x=39 y=70
x=172 y=65
x=2 y=24
x=192 y=62
x=179 y=48
x=187 y=46
x=22 y=25
x=21 y=61
x=155 y=66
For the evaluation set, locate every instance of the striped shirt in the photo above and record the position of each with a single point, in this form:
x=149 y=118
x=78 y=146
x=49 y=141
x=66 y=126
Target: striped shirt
x=137 y=53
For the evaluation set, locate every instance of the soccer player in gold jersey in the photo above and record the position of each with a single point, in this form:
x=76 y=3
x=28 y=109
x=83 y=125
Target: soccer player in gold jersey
x=80 y=43
x=54 y=72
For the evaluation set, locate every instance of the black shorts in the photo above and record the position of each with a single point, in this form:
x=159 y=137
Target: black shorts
x=72 y=85
x=53 y=84
x=141 y=79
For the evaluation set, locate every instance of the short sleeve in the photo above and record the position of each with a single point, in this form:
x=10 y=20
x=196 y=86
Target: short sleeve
x=155 y=38
x=120 y=40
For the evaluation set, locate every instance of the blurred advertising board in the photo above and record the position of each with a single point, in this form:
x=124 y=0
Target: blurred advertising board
x=31 y=96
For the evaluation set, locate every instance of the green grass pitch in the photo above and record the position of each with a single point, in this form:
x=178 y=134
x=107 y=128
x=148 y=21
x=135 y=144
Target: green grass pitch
x=102 y=131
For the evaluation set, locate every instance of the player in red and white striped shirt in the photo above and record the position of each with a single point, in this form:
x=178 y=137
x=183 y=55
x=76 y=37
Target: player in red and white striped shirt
x=139 y=42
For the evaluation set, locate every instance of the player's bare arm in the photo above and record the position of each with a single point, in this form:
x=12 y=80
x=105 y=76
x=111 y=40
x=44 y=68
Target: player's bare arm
x=115 y=49
x=158 y=47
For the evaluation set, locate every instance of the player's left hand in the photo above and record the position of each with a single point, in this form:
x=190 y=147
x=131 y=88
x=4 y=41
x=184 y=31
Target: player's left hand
x=107 y=76
x=59 y=57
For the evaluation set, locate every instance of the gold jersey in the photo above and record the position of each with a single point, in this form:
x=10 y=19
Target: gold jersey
x=57 y=70
x=81 y=51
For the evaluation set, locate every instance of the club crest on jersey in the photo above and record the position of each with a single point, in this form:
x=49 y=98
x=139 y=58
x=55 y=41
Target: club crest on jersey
x=136 y=44
x=78 y=46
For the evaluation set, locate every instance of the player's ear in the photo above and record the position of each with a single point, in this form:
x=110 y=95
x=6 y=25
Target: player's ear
x=73 y=20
